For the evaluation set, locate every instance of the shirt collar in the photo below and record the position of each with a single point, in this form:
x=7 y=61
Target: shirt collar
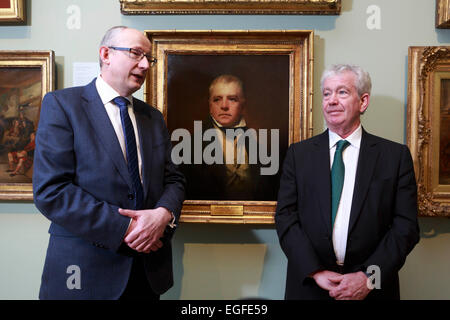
x=354 y=138
x=106 y=92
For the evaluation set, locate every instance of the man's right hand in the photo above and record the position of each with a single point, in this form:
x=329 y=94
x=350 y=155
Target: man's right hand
x=146 y=228
x=327 y=280
x=153 y=247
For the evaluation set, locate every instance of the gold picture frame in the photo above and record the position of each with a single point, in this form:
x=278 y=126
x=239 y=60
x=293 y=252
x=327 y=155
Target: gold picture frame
x=317 y=7
x=443 y=14
x=272 y=64
x=12 y=12
x=428 y=126
x=25 y=77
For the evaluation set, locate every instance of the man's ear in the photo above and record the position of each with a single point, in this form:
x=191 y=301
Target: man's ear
x=104 y=54
x=364 y=102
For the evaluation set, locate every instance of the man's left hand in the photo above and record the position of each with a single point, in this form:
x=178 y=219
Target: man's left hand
x=146 y=228
x=352 y=286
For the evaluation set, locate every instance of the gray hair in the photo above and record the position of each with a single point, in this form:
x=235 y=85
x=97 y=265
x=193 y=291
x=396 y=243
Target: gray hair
x=227 y=78
x=109 y=37
x=363 y=83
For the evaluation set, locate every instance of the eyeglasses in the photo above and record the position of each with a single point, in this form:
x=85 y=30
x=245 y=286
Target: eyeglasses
x=137 y=54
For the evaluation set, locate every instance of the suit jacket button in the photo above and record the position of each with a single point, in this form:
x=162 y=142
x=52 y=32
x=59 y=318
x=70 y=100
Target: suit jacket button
x=131 y=196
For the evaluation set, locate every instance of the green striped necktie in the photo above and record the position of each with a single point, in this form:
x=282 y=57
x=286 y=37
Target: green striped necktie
x=337 y=177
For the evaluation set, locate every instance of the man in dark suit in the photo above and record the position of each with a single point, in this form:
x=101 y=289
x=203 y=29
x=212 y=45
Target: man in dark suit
x=346 y=208
x=104 y=177
x=234 y=177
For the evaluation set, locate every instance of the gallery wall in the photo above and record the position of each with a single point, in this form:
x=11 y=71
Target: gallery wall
x=214 y=261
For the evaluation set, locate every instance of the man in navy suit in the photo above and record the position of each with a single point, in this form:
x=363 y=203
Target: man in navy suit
x=107 y=240
x=374 y=225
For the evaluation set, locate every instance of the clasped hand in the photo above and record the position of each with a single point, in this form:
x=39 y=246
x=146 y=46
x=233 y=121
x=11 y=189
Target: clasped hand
x=146 y=228
x=350 y=286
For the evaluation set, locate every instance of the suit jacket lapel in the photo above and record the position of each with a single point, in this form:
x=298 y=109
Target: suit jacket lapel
x=368 y=156
x=321 y=170
x=101 y=123
x=143 y=122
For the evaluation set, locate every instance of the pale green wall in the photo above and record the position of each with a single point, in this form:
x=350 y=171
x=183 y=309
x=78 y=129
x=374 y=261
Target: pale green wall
x=227 y=261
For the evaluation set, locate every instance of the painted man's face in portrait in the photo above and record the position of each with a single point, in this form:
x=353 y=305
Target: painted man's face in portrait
x=226 y=103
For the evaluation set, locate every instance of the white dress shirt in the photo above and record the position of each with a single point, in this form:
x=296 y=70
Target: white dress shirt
x=107 y=94
x=350 y=157
x=230 y=154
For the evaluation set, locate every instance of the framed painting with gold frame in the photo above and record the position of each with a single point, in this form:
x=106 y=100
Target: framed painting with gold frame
x=12 y=11
x=443 y=14
x=318 y=7
x=429 y=126
x=25 y=77
x=276 y=68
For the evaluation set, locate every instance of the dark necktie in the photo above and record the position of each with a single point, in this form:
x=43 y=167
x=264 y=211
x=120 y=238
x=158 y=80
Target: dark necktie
x=132 y=158
x=337 y=177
